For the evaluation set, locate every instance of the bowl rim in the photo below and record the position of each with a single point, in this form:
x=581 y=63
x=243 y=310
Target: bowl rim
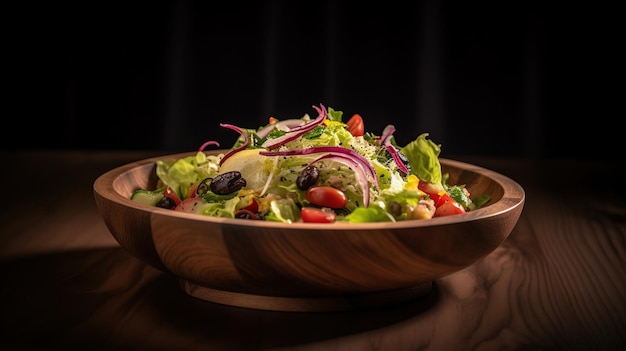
x=513 y=196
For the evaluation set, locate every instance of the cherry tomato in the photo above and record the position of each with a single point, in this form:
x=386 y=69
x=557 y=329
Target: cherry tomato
x=170 y=199
x=355 y=125
x=326 y=196
x=446 y=206
x=443 y=198
x=433 y=191
x=317 y=215
x=193 y=191
x=273 y=120
x=252 y=207
x=169 y=192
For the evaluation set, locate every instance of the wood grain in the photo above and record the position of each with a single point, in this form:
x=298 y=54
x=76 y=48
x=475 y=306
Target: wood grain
x=556 y=283
x=299 y=260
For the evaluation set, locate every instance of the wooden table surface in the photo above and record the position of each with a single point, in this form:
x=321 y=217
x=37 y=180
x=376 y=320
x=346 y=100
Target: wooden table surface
x=557 y=283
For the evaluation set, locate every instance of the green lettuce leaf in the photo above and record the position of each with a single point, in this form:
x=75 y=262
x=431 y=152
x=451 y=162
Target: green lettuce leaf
x=367 y=214
x=423 y=156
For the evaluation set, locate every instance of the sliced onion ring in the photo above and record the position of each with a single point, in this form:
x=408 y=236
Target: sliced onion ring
x=364 y=171
x=289 y=124
x=296 y=132
x=210 y=142
x=385 y=140
x=241 y=147
x=362 y=161
x=359 y=172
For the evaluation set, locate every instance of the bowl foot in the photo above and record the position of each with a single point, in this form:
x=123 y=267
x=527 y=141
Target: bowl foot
x=307 y=304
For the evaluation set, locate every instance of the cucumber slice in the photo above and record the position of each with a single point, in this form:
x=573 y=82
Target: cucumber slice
x=146 y=197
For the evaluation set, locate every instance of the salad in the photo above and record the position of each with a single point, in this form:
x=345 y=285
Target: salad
x=318 y=170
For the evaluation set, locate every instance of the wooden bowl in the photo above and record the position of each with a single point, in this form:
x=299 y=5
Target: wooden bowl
x=303 y=266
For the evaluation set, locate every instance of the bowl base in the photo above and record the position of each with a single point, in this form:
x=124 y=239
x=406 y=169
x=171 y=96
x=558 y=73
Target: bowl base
x=307 y=304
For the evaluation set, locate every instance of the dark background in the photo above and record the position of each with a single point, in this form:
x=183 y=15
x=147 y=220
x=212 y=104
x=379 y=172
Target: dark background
x=499 y=79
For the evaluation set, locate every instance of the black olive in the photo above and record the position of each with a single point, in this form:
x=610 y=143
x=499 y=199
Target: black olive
x=166 y=202
x=227 y=183
x=204 y=186
x=308 y=177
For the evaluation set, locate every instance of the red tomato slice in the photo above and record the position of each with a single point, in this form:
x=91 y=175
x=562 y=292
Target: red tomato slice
x=252 y=207
x=193 y=191
x=447 y=206
x=326 y=196
x=316 y=215
x=172 y=195
x=355 y=125
x=442 y=199
x=434 y=191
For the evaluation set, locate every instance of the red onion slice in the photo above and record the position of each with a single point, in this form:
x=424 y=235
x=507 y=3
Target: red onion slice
x=362 y=161
x=210 y=142
x=241 y=147
x=289 y=124
x=385 y=140
x=359 y=172
x=296 y=132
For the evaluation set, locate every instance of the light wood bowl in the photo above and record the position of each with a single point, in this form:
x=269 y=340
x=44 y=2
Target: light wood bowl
x=303 y=266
